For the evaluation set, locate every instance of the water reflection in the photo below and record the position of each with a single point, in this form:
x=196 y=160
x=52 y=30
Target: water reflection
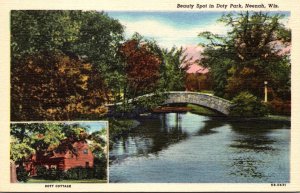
x=209 y=127
x=260 y=144
x=255 y=136
x=191 y=148
x=151 y=136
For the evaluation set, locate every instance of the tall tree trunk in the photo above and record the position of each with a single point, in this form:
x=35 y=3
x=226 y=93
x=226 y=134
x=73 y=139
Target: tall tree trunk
x=13 y=172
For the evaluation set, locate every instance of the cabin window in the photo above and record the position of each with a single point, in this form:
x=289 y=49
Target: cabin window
x=53 y=166
x=85 y=151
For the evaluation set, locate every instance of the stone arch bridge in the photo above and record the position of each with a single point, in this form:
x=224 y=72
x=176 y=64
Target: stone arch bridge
x=206 y=100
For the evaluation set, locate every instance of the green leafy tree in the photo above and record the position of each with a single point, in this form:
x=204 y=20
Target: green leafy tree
x=174 y=69
x=29 y=139
x=248 y=55
x=88 y=34
x=98 y=143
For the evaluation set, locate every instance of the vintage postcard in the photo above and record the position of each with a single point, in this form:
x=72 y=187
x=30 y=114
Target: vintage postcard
x=109 y=96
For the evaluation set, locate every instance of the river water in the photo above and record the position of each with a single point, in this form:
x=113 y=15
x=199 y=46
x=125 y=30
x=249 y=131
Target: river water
x=185 y=147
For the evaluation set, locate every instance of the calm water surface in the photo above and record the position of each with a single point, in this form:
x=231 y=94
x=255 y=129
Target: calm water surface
x=193 y=148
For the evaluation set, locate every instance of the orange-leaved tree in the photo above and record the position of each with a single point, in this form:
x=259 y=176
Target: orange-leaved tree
x=142 y=67
x=54 y=86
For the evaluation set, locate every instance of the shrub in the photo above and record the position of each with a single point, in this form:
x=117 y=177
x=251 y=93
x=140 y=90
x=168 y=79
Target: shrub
x=90 y=173
x=77 y=173
x=71 y=174
x=247 y=105
x=51 y=174
x=82 y=174
x=100 y=168
x=22 y=174
x=278 y=106
x=41 y=171
x=60 y=175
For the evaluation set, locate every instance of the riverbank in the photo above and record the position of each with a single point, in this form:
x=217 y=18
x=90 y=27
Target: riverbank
x=269 y=118
x=273 y=118
x=202 y=110
x=208 y=112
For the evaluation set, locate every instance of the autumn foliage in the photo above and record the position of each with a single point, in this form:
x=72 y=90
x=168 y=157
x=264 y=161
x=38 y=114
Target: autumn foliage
x=54 y=86
x=141 y=67
x=198 y=82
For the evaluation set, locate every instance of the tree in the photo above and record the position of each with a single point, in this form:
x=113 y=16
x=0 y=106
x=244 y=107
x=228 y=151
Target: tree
x=41 y=138
x=58 y=46
x=141 y=67
x=99 y=40
x=34 y=31
x=248 y=55
x=150 y=69
x=99 y=148
x=29 y=139
x=98 y=143
x=198 y=82
x=88 y=34
x=52 y=86
x=174 y=70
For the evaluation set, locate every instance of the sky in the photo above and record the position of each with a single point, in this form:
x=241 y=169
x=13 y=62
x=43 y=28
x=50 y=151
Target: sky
x=95 y=126
x=171 y=28
x=174 y=28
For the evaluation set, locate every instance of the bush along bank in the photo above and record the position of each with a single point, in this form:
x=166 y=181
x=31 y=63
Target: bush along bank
x=248 y=107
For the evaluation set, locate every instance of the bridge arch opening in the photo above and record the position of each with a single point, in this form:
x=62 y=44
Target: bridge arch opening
x=188 y=107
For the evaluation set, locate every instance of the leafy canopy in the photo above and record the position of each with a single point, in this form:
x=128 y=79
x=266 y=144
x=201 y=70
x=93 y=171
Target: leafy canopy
x=249 y=54
x=61 y=63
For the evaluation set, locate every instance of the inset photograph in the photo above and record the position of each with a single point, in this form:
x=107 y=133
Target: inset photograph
x=59 y=152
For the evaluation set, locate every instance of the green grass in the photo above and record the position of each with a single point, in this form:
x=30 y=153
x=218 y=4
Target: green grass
x=207 y=92
x=275 y=118
x=31 y=180
x=201 y=110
